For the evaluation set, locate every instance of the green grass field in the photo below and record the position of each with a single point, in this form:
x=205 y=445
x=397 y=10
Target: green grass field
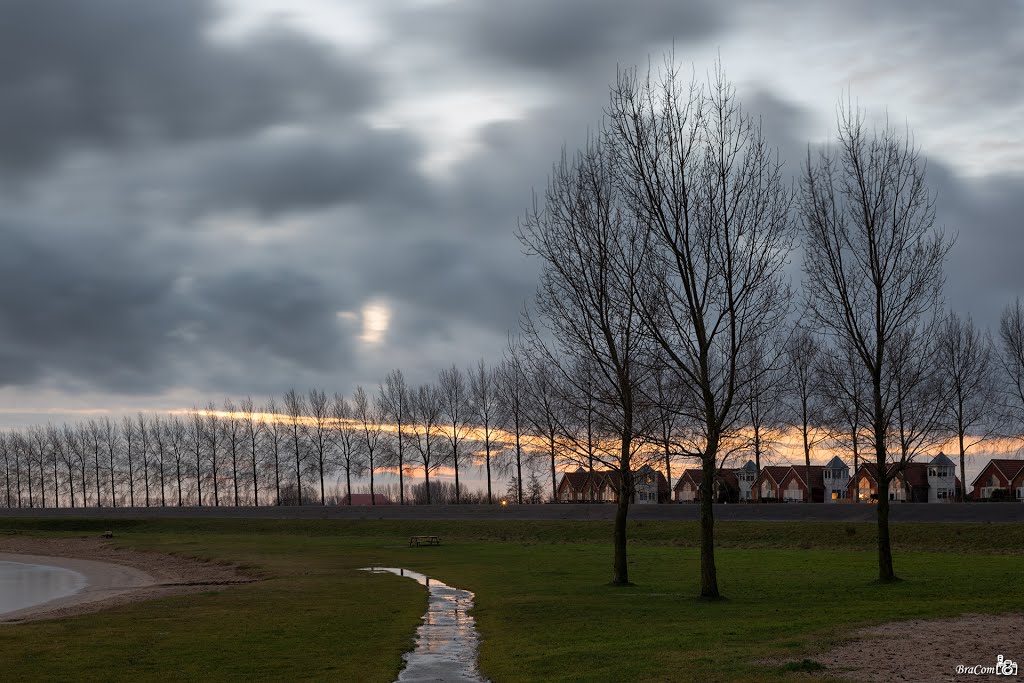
x=544 y=609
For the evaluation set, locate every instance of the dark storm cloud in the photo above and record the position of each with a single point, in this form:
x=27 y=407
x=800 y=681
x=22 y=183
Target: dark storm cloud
x=88 y=306
x=279 y=312
x=101 y=74
x=552 y=36
x=305 y=172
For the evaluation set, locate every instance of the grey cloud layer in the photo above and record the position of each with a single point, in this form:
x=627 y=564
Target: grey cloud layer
x=184 y=211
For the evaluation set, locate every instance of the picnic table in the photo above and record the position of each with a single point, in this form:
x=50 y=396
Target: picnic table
x=424 y=540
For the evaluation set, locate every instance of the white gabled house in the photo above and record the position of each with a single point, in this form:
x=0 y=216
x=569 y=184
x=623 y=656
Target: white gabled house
x=835 y=478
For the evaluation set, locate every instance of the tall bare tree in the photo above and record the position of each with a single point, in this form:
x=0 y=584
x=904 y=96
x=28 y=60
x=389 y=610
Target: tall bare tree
x=426 y=415
x=769 y=376
x=394 y=396
x=344 y=432
x=872 y=266
x=233 y=437
x=276 y=434
x=589 y=333
x=803 y=353
x=295 y=412
x=484 y=407
x=455 y=406
x=177 y=443
x=369 y=417
x=321 y=435
x=845 y=388
x=111 y=442
x=213 y=433
x=1011 y=359
x=698 y=174
x=512 y=405
x=128 y=429
x=252 y=426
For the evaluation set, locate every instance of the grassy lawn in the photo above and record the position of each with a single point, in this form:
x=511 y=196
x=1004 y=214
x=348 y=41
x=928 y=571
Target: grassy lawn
x=543 y=607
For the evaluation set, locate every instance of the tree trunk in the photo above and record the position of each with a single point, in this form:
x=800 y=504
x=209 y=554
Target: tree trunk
x=708 y=572
x=885 y=569
x=962 y=495
x=487 y=448
x=620 y=567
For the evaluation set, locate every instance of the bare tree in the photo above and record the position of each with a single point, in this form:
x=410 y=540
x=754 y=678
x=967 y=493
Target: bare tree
x=276 y=434
x=159 y=433
x=233 y=436
x=213 y=433
x=765 y=360
x=196 y=440
x=143 y=434
x=369 y=415
x=128 y=429
x=846 y=391
x=5 y=456
x=484 y=406
x=111 y=441
x=872 y=266
x=1011 y=358
x=394 y=396
x=545 y=408
x=455 y=405
x=512 y=405
x=177 y=443
x=805 y=404
x=94 y=435
x=320 y=431
x=344 y=437
x=295 y=412
x=589 y=336
x=254 y=427
x=698 y=173
x=967 y=362
x=426 y=412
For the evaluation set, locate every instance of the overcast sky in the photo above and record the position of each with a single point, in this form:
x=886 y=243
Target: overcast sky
x=201 y=199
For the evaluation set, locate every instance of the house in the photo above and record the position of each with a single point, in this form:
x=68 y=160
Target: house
x=650 y=486
x=745 y=477
x=835 y=478
x=914 y=482
x=802 y=484
x=602 y=486
x=943 y=485
x=365 y=499
x=768 y=484
x=726 y=487
x=1000 y=474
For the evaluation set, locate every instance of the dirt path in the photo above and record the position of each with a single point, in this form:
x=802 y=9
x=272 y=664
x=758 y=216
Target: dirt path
x=114 y=576
x=929 y=651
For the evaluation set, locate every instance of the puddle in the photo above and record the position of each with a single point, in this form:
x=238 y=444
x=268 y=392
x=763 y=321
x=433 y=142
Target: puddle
x=25 y=585
x=447 y=640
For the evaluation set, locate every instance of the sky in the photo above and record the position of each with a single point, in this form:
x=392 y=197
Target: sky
x=202 y=200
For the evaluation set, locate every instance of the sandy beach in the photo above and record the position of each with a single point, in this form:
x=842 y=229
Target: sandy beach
x=114 y=576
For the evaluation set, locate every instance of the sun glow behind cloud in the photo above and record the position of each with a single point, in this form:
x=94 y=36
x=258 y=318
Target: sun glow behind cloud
x=376 y=317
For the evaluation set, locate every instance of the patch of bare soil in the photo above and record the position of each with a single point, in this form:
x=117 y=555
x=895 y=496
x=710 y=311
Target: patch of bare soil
x=115 y=576
x=928 y=651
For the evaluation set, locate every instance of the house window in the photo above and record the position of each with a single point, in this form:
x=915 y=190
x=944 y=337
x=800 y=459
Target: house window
x=1020 y=493
x=942 y=494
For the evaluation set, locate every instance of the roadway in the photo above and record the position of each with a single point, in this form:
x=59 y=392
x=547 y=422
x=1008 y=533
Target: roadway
x=779 y=512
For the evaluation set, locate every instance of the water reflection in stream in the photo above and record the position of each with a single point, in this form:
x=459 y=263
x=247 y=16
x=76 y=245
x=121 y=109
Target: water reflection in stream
x=447 y=640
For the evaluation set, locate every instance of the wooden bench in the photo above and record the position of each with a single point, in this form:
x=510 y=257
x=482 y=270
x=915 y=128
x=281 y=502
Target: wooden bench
x=424 y=540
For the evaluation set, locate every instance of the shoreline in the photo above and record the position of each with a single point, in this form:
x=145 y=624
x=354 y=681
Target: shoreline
x=103 y=581
x=114 y=576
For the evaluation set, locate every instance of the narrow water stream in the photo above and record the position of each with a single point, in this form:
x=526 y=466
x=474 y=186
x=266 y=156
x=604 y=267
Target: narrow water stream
x=447 y=640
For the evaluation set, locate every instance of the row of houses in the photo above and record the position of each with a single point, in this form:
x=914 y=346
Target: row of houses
x=934 y=481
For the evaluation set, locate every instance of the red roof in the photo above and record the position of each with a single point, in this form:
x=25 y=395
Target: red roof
x=774 y=472
x=1010 y=469
x=364 y=499
x=816 y=473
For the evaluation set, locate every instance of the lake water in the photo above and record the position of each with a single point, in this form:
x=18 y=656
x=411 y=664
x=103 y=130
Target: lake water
x=447 y=640
x=25 y=585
